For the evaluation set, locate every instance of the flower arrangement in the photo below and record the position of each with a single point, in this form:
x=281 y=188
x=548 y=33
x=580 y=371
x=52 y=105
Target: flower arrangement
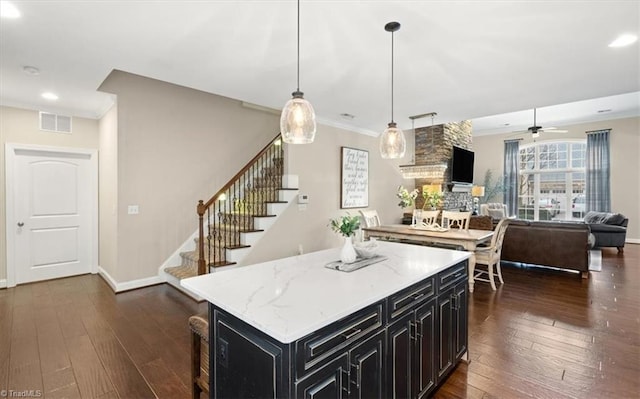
x=431 y=198
x=407 y=198
x=345 y=225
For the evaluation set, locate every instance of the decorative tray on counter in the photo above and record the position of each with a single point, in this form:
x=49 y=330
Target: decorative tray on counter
x=358 y=264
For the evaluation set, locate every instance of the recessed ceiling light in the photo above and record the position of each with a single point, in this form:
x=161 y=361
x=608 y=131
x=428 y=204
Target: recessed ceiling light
x=8 y=10
x=602 y=111
x=31 y=70
x=624 y=40
x=49 y=96
x=347 y=116
x=507 y=124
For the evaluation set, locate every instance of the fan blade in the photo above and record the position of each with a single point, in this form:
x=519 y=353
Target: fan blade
x=554 y=130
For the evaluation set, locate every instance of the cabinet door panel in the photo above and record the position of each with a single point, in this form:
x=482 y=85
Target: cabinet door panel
x=425 y=373
x=399 y=357
x=460 y=329
x=445 y=333
x=245 y=365
x=367 y=373
x=328 y=382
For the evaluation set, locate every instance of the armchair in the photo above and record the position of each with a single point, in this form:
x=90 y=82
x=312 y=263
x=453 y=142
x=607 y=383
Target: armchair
x=494 y=209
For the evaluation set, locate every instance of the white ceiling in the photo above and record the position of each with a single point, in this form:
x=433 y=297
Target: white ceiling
x=469 y=59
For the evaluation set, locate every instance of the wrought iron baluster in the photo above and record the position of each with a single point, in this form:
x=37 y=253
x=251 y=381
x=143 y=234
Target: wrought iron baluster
x=234 y=207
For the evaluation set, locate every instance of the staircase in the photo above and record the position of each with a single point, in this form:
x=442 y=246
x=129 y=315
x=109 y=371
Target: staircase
x=235 y=218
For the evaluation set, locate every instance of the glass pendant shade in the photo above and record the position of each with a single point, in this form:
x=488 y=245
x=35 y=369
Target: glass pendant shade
x=392 y=142
x=298 y=121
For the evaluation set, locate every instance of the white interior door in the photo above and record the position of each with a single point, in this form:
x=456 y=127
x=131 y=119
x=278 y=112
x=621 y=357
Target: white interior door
x=54 y=214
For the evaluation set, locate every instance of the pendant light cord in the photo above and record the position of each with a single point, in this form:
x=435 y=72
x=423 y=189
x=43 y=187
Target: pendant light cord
x=298 y=70
x=391 y=77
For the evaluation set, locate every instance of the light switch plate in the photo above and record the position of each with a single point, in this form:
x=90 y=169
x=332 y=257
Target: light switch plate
x=133 y=210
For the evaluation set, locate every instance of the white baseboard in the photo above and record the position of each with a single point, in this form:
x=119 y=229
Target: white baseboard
x=129 y=285
x=3 y=283
x=633 y=240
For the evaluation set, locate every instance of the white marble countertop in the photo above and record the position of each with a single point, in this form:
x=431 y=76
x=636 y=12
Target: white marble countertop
x=292 y=297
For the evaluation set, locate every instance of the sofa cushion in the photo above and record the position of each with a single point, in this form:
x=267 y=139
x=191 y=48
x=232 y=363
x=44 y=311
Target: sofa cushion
x=595 y=217
x=604 y=217
x=609 y=228
x=615 y=219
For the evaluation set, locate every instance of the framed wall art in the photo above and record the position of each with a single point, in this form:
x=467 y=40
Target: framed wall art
x=354 y=178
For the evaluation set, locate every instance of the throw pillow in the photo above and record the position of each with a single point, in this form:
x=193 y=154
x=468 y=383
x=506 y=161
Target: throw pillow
x=614 y=218
x=595 y=217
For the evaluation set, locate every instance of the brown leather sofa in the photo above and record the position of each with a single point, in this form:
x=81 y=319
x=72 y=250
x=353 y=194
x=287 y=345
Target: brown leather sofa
x=556 y=244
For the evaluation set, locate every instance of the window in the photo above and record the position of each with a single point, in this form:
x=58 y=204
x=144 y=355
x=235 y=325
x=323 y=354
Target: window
x=552 y=180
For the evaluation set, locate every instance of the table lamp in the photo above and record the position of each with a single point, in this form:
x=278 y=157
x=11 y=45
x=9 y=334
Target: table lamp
x=476 y=192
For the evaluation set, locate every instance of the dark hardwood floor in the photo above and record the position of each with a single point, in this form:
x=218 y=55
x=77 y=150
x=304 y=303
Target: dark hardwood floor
x=545 y=333
x=550 y=334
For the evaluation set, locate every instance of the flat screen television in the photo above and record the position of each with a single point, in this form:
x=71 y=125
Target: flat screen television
x=462 y=166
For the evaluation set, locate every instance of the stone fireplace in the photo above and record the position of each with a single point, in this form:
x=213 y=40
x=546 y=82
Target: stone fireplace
x=433 y=145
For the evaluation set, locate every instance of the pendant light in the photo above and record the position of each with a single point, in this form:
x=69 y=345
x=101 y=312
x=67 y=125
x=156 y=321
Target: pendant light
x=298 y=121
x=392 y=141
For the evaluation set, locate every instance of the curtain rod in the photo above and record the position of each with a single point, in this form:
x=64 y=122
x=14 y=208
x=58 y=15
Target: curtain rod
x=597 y=131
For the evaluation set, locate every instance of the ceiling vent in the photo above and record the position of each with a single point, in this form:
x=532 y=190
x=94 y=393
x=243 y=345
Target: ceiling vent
x=55 y=123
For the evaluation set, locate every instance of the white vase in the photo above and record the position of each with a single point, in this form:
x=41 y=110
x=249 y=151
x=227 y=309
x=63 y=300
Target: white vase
x=348 y=253
x=417 y=217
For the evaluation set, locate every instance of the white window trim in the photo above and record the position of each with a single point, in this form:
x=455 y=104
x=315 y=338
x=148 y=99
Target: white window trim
x=536 y=171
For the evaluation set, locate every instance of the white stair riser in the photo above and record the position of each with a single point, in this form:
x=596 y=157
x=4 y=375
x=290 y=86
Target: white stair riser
x=276 y=209
x=264 y=223
x=287 y=195
x=237 y=254
x=290 y=181
x=250 y=238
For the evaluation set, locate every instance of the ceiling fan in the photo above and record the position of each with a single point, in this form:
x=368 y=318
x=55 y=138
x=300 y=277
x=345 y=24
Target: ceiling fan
x=535 y=130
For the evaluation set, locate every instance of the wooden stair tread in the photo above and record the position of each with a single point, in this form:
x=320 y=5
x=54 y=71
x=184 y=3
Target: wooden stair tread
x=181 y=272
x=227 y=227
x=221 y=263
x=238 y=246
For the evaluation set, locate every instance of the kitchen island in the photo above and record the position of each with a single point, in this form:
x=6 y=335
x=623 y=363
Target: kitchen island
x=292 y=328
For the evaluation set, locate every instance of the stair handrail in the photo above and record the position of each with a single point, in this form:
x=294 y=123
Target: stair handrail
x=203 y=206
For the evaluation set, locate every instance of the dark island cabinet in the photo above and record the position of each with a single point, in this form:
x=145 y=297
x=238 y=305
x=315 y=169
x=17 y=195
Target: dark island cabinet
x=358 y=374
x=400 y=347
x=452 y=327
x=411 y=348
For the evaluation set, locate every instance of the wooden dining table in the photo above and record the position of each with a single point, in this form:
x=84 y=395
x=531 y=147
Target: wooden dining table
x=466 y=239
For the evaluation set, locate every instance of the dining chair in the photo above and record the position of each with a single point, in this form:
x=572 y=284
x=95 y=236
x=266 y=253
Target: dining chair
x=490 y=256
x=370 y=217
x=455 y=219
x=430 y=217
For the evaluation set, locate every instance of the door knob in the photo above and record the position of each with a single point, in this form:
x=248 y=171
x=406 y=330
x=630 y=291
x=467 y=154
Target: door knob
x=20 y=224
